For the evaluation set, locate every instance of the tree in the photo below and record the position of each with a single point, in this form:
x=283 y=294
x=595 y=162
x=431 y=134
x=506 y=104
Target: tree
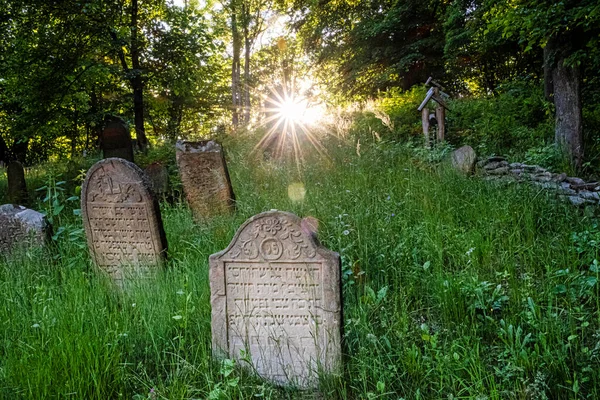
x=567 y=31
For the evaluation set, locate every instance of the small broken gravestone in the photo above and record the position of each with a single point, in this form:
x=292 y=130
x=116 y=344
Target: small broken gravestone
x=205 y=178
x=159 y=177
x=122 y=220
x=463 y=159
x=116 y=139
x=276 y=300
x=21 y=227
x=17 y=186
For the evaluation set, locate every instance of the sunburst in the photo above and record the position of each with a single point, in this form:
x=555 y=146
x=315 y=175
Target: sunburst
x=290 y=116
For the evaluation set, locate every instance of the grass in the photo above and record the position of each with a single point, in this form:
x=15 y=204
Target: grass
x=453 y=287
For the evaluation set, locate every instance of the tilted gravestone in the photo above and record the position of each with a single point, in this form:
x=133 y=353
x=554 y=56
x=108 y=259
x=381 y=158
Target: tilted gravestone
x=21 y=227
x=276 y=300
x=17 y=186
x=116 y=139
x=463 y=159
x=159 y=176
x=122 y=219
x=205 y=178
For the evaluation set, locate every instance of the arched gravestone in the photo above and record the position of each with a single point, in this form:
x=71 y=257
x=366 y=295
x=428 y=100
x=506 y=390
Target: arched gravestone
x=122 y=219
x=17 y=186
x=276 y=300
x=116 y=139
x=205 y=178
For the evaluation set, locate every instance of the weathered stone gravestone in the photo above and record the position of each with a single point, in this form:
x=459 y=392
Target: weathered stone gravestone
x=159 y=177
x=122 y=220
x=276 y=301
x=463 y=159
x=21 y=227
x=17 y=186
x=116 y=139
x=205 y=178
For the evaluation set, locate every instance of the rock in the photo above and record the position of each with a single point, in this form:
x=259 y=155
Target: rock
x=496 y=158
x=585 y=186
x=495 y=165
x=589 y=195
x=463 y=159
x=17 y=186
x=499 y=171
x=122 y=220
x=205 y=178
x=21 y=227
x=516 y=165
x=159 y=177
x=115 y=140
x=576 y=200
x=542 y=177
x=565 y=187
x=277 y=284
x=559 y=177
x=574 y=180
x=516 y=171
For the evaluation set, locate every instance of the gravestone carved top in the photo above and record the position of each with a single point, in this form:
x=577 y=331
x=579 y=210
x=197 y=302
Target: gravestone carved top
x=21 y=227
x=122 y=219
x=205 y=178
x=276 y=300
x=116 y=139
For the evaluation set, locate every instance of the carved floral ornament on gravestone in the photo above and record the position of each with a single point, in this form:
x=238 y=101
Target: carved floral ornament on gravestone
x=276 y=301
x=122 y=220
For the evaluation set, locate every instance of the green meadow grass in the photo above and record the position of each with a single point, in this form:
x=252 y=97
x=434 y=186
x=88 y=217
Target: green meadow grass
x=453 y=287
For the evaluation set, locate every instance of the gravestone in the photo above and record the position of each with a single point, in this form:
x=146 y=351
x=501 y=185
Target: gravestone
x=205 y=178
x=116 y=139
x=122 y=220
x=276 y=300
x=463 y=159
x=159 y=177
x=17 y=186
x=21 y=227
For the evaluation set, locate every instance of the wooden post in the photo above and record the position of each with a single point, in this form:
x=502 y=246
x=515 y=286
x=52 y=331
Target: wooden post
x=440 y=115
x=425 y=120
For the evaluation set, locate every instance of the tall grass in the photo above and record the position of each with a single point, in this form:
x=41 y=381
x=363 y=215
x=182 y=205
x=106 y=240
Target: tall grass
x=453 y=287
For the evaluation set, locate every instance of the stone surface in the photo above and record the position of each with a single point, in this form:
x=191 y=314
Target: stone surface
x=463 y=159
x=575 y=181
x=577 y=201
x=21 y=227
x=122 y=220
x=116 y=140
x=585 y=194
x=496 y=158
x=159 y=177
x=205 y=178
x=275 y=296
x=17 y=186
x=495 y=165
x=498 y=171
x=559 y=177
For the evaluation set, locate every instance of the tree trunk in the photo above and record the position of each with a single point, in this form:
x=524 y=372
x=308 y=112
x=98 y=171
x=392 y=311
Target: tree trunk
x=137 y=82
x=549 y=55
x=567 y=100
x=247 y=45
x=235 y=66
x=3 y=151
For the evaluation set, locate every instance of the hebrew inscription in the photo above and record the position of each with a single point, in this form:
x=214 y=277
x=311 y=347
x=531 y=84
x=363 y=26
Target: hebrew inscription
x=205 y=178
x=122 y=219
x=275 y=296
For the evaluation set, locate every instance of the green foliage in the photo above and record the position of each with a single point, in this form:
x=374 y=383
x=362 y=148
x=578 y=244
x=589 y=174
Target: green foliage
x=453 y=287
x=516 y=120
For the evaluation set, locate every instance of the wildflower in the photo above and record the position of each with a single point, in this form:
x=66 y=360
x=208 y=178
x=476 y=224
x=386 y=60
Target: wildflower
x=180 y=292
x=177 y=317
x=346 y=232
x=35 y=325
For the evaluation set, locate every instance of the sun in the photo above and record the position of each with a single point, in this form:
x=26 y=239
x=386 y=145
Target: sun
x=290 y=118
